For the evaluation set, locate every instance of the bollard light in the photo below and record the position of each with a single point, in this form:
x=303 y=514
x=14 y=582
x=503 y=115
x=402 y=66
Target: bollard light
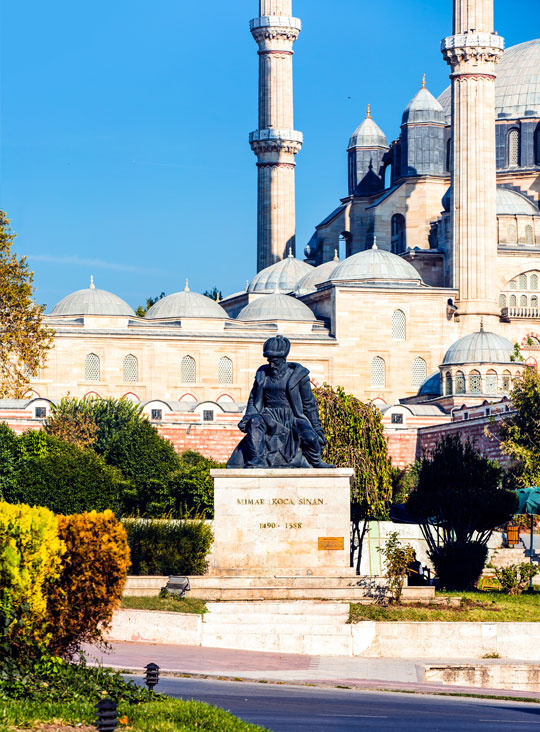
x=152 y=675
x=107 y=720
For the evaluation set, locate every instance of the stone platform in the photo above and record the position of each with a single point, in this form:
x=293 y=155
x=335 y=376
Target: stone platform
x=282 y=521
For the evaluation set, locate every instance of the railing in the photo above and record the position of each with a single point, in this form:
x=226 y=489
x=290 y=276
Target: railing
x=520 y=312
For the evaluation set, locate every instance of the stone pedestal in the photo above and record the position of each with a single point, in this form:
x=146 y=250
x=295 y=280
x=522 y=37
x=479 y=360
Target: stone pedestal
x=291 y=522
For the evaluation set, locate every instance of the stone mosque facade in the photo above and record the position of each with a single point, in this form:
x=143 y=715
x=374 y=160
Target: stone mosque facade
x=411 y=293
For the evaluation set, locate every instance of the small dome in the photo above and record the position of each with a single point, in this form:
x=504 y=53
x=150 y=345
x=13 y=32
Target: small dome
x=319 y=274
x=423 y=108
x=368 y=134
x=511 y=203
x=376 y=265
x=276 y=307
x=480 y=347
x=431 y=386
x=282 y=276
x=186 y=304
x=92 y=302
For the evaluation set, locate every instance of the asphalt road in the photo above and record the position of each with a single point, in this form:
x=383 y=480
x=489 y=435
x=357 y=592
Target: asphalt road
x=297 y=709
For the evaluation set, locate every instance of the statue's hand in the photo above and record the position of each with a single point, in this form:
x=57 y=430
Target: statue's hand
x=242 y=425
x=322 y=438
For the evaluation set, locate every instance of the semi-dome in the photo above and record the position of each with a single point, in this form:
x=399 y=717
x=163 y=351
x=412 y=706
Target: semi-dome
x=480 y=347
x=423 y=108
x=186 y=304
x=282 y=276
x=376 y=266
x=368 y=134
x=431 y=386
x=517 y=87
x=276 y=307
x=509 y=203
x=92 y=301
x=319 y=274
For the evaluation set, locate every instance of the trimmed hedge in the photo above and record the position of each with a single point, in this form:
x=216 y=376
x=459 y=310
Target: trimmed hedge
x=167 y=547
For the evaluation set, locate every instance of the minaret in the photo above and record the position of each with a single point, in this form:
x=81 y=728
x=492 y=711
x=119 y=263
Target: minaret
x=473 y=52
x=275 y=142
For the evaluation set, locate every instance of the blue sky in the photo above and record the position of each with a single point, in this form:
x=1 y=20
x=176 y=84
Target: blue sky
x=124 y=127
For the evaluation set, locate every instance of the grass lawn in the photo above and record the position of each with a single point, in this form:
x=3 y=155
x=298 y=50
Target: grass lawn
x=170 y=604
x=481 y=607
x=167 y=715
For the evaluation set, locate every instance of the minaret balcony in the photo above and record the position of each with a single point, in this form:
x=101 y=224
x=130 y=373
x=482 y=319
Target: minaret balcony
x=508 y=314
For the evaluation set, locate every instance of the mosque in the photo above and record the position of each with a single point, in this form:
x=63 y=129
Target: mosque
x=439 y=277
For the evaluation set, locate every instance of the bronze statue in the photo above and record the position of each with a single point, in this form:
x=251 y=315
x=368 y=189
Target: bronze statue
x=282 y=424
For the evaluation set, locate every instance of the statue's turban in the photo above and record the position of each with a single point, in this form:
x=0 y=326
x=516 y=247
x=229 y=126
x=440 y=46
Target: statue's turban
x=277 y=347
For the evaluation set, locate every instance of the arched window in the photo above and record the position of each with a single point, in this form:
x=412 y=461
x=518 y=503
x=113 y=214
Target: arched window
x=419 y=372
x=529 y=234
x=513 y=285
x=533 y=282
x=491 y=382
x=522 y=282
x=448 y=383
x=511 y=234
x=30 y=374
x=534 y=301
x=345 y=245
x=513 y=148
x=225 y=371
x=378 y=372
x=506 y=382
x=91 y=367
x=502 y=301
x=475 y=382
x=460 y=382
x=399 y=239
x=523 y=301
x=399 y=328
x=188 y=370
x=449 y=154
x=131 y=368
x=513 y=301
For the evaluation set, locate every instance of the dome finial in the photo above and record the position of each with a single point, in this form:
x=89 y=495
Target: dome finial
x=247 y=286
x=482 y=324
x=336 y=255
x=291 y=255
x=368 y=114
x=92 y=286
x=186 y=288
x=276 y=289
x=424 y=81
x=374 y=243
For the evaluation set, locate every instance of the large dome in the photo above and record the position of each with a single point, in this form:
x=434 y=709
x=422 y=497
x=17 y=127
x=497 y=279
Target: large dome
x=92 y=302
x=378 y=267
x=517 y=87
x=276 y=307
x=319 y=274
x=186 y=304
x=509 y=203
x=282 y=276
x=480 y=347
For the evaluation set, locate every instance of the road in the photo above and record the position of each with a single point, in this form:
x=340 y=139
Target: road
x=297 y=709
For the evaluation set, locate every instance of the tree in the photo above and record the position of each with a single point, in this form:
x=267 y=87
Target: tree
x=520 y=433
x=143 y=309
x=458 y=501
x=214 y=294
x=355 y=439
x=191 y=488
x=24 y=340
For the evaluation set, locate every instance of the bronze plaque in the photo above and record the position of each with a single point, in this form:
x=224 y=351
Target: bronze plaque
x=331 y=543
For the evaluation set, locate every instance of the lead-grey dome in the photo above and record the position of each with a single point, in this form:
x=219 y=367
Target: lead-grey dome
x=508 y=202
x=431 y=386
x=517 y=87
x=378 y=267
x=282 y=276
x=480 y=347
x=92 y=301
x=423 y=108
x=368 y=134
x=276 y=307
x=319 y=274
x=186 y=304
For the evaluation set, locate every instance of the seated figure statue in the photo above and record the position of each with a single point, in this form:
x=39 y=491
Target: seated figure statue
x=282 y=424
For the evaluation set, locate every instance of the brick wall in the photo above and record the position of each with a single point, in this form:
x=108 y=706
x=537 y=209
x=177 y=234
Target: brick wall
x=216 y=442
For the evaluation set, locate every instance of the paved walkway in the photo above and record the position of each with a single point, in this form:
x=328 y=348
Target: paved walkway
x=362 y=673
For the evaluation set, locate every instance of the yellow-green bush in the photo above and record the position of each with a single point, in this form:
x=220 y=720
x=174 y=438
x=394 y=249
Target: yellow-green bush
x=30 y=560
x=94 y=569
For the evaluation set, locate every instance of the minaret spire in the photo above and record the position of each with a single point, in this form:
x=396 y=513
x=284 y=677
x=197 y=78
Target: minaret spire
x=473 y=53
x=275 y=142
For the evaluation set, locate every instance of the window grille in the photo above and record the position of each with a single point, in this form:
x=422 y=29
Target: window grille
x=91 y=367
x=506 y=381
x=131 y=368
x=225 y=371
x=29 y=373
x=533 y=340
x=513 y=301
x=419 y=372
x=397 y=419
x=475 y=383
x=460 y=382
x=529 y=238
x=491 y=383
x=41 y=412
x=534 y=301
x=208 y=415
x=157 y=415
x=188 y=371
x=513 y=148
x=523 y=282
x=378 y=372
x=398 y=326
x=511 y=234
x=513 y=285
x=533 y=282
x=502 y=301
x=448 y=380
x=523 y=301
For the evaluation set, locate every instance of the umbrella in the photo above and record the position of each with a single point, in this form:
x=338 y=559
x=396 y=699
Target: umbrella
x=529 y=502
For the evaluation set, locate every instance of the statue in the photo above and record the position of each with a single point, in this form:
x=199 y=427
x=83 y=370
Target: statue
x=282 y=424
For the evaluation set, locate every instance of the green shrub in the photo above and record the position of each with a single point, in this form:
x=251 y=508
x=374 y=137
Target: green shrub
x=167 y=547
x=396 y=560
x=516 y=578
x=82 y=600
x=191 y=488
x=8 y=460
x=459 y=564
